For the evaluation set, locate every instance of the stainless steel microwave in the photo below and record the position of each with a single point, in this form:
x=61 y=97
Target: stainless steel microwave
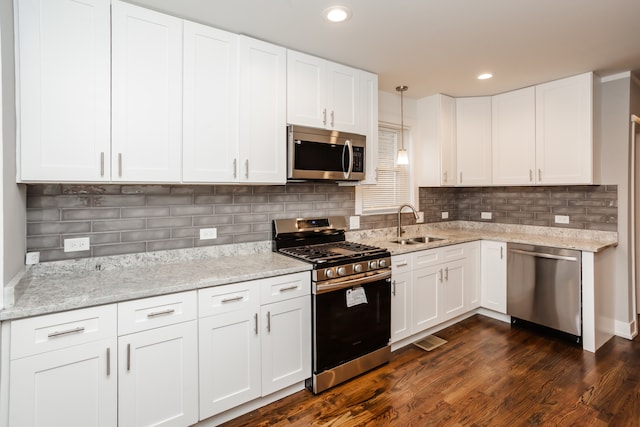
x=319 y=154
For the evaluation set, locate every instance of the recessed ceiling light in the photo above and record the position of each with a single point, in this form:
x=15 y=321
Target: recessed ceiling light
x=337 y=14
x=485 y=76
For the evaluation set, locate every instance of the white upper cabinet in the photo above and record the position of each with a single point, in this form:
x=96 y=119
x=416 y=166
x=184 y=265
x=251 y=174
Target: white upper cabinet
x=473 y=141
x=146 y=95
x=564 y=131
x=210 y=105
x=369 y=116
x=435 y=149
x=513 y=137
x=263 y=112
x=322 y=94
x=63 y=110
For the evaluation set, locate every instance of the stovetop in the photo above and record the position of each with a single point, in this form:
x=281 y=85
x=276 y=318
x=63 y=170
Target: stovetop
x=334 y=251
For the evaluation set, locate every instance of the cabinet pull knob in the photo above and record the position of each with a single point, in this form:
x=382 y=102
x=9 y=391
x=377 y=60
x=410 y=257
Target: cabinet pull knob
x=446 y=274
x=108 y=361
x=56 y=334
x=246 y=165
x=255 y=318
x=288 y=288
x=332 y=117
x=268 y=321
x=119 y=164
x=324 y=117
x=128 y=357
x=235 y=168
x=393 y=288
x=233 y=299
x=539 y=175
x=530 y=175
x=161 y=313
x=102 y=163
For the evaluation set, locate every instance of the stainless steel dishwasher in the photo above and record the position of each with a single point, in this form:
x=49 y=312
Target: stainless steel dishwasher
x=544 y=287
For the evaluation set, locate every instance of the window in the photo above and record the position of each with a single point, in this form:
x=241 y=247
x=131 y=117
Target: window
x=393 y=184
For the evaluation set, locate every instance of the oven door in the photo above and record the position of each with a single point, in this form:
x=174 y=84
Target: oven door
x=351 y=319
x=321 y=154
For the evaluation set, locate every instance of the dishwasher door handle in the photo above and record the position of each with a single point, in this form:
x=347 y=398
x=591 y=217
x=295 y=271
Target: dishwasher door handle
x=544 y=255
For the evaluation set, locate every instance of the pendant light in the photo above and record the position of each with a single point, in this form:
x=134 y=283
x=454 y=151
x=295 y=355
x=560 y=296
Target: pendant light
x=403 y=157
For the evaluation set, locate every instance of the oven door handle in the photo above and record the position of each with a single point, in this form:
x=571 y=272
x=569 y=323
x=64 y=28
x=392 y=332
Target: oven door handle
x=330 y=287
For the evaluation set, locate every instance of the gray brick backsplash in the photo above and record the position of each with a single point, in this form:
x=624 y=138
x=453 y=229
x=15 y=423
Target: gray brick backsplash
x=125 y=219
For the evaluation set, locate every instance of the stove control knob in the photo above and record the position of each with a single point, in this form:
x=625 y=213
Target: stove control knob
x=382 y=263
x=357 y=268
x=373 y=265
x=330 y=273
x=342 y=271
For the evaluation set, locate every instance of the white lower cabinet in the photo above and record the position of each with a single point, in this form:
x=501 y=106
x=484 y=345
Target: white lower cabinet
x=432 y=286
x=158 y=364
x=63 y=370
x=494 y=276
x=255 y=339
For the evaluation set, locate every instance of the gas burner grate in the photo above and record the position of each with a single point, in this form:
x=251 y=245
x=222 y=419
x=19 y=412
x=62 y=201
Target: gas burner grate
x=332 y=251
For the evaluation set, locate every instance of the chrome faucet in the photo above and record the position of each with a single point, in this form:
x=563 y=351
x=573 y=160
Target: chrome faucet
x=415 y=214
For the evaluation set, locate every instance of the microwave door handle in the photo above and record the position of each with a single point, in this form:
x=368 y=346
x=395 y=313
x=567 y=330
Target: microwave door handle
x=347 y=146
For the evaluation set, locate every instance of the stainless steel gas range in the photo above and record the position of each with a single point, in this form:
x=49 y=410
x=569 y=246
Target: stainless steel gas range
x=351 y=301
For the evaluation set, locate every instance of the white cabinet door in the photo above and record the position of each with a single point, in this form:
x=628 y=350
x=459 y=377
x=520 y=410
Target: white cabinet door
x=146 y=95
x=425 y=298
x=210 y=105
x=64 y=110
x=434 y=156
x=494 y=276
x=369 y=116
x=286 y=343
x=452 y=278
x=306 y=90
x=401 y=306
x=263 y=96
x=473 y=141
x=72 y=387
x=472 y=291
x=343 y=100
x=513 y=137
x=229 y=360
x=564 y=131
x=158 y=377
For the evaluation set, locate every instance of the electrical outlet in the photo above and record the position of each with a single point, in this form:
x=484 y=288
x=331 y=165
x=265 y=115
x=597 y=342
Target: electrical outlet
x=32 y=258
x=485 y=215
x=445 y=215
x=354 y=222
x=208 y=233
x=76 y=245
x=562 y=219
x=420 y=219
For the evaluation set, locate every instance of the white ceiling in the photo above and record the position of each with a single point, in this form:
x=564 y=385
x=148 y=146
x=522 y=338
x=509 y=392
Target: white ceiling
x=440 y=46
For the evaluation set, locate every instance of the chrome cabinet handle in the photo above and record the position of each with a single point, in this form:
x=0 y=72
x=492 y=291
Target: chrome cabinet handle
x=120 y=164
x=56 y=334
x=460 y=177
x=238 y=298
x=539 y=175
x=246 y=165
x=332 y=118
x=102 y=163
x=446 y=274
x=255 y=318
x=393 y=289
x=235 y=168
x=401 y=264
x=268 y=321
x=501 y=249
x=440 y=275
x=324 y=117
x=108 y=361
x=161 y=313
x=288 y=288
x=530 y=175
x=128 y=357
x=445 y=177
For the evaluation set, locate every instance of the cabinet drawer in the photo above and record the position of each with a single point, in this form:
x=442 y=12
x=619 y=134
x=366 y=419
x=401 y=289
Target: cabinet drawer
x=55 y=331
x=149 y=313
x=454 y=252
x=228 y=298
x=401 y=263
x=280 y=288
x=427 y=258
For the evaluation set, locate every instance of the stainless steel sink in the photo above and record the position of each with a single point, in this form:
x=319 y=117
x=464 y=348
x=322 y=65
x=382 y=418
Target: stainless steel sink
x=417 y=240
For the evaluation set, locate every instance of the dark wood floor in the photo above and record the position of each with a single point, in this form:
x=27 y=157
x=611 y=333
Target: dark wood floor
x=488 y=374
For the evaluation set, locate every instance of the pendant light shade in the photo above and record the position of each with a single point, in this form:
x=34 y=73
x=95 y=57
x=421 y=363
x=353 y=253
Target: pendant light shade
x=403 y=156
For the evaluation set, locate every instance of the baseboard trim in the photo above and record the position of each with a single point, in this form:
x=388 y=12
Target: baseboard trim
x=627 y=330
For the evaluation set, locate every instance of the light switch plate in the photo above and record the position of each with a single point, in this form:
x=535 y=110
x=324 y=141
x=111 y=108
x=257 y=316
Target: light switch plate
x=445 y=215
x=32 y=258
x=420 y=219
x=485 y=215
x=562 y=219
x=354 y=222
x=76 y=245
x=208 y=233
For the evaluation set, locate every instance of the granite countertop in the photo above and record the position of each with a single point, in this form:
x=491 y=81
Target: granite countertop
x=66 y=285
